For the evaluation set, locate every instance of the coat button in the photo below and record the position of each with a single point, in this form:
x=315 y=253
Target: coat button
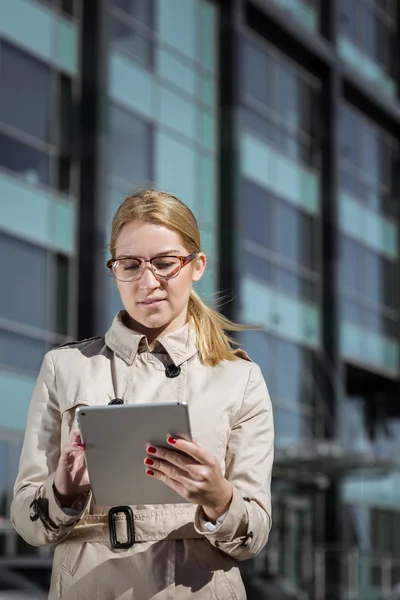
x=172 y=371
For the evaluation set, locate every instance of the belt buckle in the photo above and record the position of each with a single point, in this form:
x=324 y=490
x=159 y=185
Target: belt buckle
x=130 y=527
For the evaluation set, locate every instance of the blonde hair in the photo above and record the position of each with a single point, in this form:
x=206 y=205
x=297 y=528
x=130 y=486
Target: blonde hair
x=159 y=208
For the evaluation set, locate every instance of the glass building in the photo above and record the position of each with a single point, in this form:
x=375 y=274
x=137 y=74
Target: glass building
x=278 y=122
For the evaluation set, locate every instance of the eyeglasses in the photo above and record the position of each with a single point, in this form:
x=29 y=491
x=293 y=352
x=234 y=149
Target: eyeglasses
x=129 y=268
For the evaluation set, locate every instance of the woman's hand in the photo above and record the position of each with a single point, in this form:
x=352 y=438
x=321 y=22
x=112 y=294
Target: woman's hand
x=71 y=477
x=197 y=477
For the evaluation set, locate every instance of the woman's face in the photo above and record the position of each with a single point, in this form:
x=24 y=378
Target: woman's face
x=156 y=304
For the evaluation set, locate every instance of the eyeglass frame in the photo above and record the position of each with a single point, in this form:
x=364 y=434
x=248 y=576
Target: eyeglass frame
x=184 y=260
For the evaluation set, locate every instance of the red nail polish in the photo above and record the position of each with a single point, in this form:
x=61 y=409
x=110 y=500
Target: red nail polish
x=149 y=472
x=171 y=440
x=149 y=462
x=81 y=445
x=151 y=449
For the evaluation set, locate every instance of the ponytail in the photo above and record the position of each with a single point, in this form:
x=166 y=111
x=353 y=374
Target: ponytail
x=213 y=343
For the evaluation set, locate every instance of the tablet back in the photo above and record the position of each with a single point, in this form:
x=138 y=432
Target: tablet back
x=116 y=438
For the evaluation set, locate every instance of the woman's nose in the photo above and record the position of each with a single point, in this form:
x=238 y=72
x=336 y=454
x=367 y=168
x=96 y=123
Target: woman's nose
x=148 y=279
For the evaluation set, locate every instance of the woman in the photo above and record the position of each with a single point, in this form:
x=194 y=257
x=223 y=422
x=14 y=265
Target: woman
x=166 y=344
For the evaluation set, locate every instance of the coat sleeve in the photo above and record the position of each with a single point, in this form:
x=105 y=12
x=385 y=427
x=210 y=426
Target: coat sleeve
x=245 y=529
x=35 y=512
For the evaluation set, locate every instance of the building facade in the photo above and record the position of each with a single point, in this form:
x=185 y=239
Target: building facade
x=278 y=122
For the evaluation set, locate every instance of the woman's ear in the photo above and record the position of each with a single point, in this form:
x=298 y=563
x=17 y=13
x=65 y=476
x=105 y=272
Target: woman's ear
x=199 y=266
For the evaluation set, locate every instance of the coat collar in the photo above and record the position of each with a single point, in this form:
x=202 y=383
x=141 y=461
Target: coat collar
x=179 y=344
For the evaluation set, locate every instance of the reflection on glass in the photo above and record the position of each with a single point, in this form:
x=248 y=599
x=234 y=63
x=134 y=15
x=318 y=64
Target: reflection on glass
x=21 y=352
x=24 y=272
x=140 y=10
x=25 y=99
x=257 y=73
x=130 y=41
x=31 y=164
x=130 y=147
x=256 y=215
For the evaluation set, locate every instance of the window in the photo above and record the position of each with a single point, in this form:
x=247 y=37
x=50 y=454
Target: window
x=141 y=10
x=130 y=41
x=257 y=73
x=21 y=352
x=23 y=290
x=30 y=163
x=256 y=214
x=131 y=28
x=130 y=147
x=370 y=289
x=25 y=99
x=371 y=25
x=278 y=242
x=279 y=98
x=368 y=161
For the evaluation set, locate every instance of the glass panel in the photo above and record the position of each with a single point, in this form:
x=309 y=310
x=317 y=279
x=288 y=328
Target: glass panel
x=177 y=71
x=61 y=294
x=289 y=232
x=178 y=25
x=20 y=351
x=256 y=206
x=29 y=163
x=130 y=147
x=288 y=426
x=372 y=275
x=25 y=100
x=257 y=267
x=288 y=95
x=176 y=168
x=348 y=135
x=178 y=113
x=130 y=41
x=289 y=360
x=141 y=10
x=258 y=346
x=25 y=273
x=256 y=73
x=350 y=266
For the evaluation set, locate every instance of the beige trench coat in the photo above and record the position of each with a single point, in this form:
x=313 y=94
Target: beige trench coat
x=173 y=557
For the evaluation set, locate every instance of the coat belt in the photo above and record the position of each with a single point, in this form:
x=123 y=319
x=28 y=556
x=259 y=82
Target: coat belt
x=95 y=528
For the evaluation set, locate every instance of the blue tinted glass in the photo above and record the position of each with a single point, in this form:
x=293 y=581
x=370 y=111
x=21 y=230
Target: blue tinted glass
x=140 y=10
x=130 y=151
x=23 y=299
x=20 y=351
x=256 y=73
x=256 y=206
x=25 y=99
x=130 y=41
x=289 y=360
x=28 y=162
x=289 y=232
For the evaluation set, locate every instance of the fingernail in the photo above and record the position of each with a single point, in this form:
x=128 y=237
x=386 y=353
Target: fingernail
x=149 y=472
x=171 y=440
x=81 y=445
x=151 y=449
x=149 y=462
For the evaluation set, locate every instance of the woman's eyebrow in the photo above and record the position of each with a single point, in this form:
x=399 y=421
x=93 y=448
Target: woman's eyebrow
x=169 y=252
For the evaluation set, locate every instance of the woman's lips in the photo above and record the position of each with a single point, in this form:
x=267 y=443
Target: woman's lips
x=151 y=303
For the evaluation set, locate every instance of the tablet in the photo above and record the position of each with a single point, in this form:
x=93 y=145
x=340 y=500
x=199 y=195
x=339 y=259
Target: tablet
x=116 y=438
